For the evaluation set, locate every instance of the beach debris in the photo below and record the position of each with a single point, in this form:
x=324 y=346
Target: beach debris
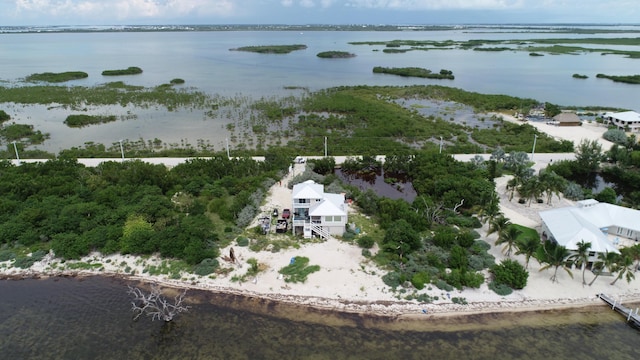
x=155 y=305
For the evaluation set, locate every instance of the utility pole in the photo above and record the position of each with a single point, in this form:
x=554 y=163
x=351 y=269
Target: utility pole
x=440 y=145
x=121 y=149
x=325 y=146
x=227 y=140
x=15 y=148
x=535 y=137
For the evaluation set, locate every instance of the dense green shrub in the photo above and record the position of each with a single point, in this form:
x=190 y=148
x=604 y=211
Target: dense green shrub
x=4 y=116
x=366 y=241
x=444 y=238
x=464 y=221
x=500 y=289
x=420 y=279
x=460 y=279
x=443 y=285
x=616 y=136
x=243 y=240
x=298 y=270
x=511 y=273
x=206 y=267
x=6 y=254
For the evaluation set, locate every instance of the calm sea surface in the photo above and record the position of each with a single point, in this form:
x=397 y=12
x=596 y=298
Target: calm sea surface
x=90 y=318
x=205 y=61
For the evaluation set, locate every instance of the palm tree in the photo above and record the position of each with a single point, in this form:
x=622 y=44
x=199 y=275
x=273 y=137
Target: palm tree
x=512 y=185
x=624 y=268
x=634 y=253
x=498 y=224
x=581 y=258
x=508 y=237
x=552 y=184
x=527 y=246
x=554 y=255
x=531 y=188
x=606 y=260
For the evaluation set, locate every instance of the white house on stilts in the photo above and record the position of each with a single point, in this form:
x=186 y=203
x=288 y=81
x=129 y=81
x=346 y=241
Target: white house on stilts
x=316 y=213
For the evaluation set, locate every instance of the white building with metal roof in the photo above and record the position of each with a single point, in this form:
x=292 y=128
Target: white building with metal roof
x=624 y=120
x=601 y=224
x=316 y=213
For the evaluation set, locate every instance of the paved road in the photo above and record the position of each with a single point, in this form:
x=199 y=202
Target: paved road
x=541 y=159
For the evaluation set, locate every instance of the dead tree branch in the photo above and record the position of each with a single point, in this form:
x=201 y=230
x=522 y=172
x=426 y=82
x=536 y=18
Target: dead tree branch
x=155 y=305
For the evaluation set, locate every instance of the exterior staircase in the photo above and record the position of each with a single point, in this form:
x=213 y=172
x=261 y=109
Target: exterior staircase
x=322 y=232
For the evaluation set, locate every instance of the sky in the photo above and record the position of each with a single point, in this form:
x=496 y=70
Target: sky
x=301 y=12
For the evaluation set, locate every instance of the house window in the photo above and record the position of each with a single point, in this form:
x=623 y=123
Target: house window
x=619 y=231
x=592 y=253
x=328 y=219
x=629 y=233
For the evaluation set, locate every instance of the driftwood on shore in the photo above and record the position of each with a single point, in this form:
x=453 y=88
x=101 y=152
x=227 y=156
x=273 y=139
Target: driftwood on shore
x=154 y=304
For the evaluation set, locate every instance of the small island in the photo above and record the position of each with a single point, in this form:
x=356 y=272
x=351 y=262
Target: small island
x=580 y=76
x=415 y=72
x=628 y=79
x=335 y=55
x=81 y=120
x=57 y=77
x=132 y=70
x=271 y=49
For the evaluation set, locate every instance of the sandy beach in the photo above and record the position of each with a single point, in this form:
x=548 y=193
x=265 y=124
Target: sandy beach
x=349 y=282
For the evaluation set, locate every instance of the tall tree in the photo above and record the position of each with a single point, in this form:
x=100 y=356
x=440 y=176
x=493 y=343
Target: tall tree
x=606 y=260
x=581 y=257
x=498 y=224
x=624 y=267
x=552 y=183
x=634 y=253
x=554 y=255
x=527 y=246
x=588 y=156
x=508 y=237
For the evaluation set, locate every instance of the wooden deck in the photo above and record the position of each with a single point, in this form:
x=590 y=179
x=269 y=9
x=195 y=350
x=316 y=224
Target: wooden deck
x=632 y=316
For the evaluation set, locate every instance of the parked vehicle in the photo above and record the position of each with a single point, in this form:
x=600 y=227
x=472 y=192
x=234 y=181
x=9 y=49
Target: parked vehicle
x=286 y=213
x=275 y=213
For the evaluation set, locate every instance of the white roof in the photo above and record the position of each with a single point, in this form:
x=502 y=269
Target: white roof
x=626 y=116
x=570 y=225
x=333 y=204
x=308 y=190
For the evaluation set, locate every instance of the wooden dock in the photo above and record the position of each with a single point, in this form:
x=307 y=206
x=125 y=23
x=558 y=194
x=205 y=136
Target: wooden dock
x=632 y=316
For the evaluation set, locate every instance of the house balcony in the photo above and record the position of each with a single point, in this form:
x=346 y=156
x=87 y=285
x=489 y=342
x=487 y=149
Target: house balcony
x=301 y=205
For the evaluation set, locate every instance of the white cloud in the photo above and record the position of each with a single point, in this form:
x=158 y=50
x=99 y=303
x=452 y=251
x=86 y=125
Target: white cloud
x=297 y=11
x=123 y=9
x=435 y=4
x=307 y=3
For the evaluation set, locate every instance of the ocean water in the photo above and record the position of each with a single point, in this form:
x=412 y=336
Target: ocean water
x=205 y=61
x=90 y=318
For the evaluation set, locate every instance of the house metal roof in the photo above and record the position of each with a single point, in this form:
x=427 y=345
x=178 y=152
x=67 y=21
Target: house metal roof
x=333 y=204
x=626 y=116
x=308 y=190
x=589 y=221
